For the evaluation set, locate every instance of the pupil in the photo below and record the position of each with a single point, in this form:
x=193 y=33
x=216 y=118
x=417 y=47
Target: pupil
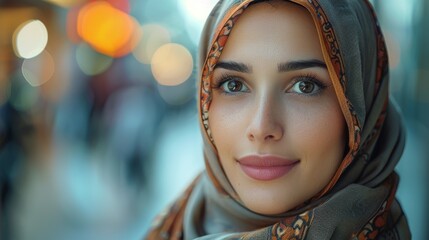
x=234 y=86
x=306 y=87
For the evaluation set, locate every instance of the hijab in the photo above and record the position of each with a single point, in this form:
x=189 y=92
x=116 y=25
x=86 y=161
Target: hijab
x=359 y=202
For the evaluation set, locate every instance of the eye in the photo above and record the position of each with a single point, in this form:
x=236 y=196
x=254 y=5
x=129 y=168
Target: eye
x=307 y=86
x=233 y=86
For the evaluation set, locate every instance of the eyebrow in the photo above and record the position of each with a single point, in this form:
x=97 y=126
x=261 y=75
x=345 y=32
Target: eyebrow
x=282 y=67
x=298 y=65
x=234 y=66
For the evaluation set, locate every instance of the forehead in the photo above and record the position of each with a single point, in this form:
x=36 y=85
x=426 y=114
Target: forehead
x=275 y=30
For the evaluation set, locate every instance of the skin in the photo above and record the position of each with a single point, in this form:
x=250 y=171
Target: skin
x=262 y=110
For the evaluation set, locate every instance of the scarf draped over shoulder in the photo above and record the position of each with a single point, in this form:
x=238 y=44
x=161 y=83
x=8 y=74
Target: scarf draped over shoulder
x=359 y=202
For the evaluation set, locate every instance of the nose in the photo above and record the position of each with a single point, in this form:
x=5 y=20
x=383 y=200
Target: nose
x=266 y=123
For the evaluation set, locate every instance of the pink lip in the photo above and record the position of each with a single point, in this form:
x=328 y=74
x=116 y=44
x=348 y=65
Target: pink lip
x=266 y=167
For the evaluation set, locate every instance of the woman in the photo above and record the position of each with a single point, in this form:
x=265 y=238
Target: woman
x=301 y=139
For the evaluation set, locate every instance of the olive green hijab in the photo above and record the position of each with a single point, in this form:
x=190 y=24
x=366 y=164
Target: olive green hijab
x=359 y=202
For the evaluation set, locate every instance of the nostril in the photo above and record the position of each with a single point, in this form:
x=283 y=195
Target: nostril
x=269 y=137
x=251 y=137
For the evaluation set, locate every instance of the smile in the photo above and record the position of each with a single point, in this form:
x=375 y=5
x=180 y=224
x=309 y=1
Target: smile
x=266 y=167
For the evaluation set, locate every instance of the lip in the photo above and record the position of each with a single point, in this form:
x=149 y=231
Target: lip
x=266 y=167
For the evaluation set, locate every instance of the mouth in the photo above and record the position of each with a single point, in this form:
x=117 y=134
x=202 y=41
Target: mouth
x=266 y=167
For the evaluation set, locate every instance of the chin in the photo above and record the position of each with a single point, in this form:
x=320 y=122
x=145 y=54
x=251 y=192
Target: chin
x=268 y=209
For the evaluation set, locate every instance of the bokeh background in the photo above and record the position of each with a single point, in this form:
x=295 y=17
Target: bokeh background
x=98 y=120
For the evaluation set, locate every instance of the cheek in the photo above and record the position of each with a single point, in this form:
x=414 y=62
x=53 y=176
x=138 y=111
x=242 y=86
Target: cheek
x=226 y=121
x=317 y=127
x=318 y=134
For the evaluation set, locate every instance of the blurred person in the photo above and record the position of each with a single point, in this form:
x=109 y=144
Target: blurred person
x=19 y=133
x=300 y=136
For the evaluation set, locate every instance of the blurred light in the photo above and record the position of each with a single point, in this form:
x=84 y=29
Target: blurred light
x=171 y=64
x=107 y=29
x=154 y=36
x=30 y=39
x=38 y=70
x=91 y=62
x=65 y=3
x=196 y=13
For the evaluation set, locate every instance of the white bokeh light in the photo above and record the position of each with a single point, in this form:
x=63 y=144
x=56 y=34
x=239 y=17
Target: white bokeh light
x=38 y=70
x=30 y=39
x=171 y=64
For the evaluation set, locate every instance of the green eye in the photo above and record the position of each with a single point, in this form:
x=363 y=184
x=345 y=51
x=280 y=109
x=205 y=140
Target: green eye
x=234 y=86
x=307 y=87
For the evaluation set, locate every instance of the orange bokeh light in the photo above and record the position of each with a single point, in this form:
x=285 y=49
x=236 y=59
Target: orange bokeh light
x=108 y=30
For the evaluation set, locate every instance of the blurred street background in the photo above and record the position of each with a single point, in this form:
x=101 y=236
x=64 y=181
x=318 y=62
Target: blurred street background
x=98 y=120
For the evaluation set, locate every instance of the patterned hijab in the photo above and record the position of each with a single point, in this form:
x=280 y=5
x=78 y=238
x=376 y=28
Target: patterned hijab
x=359 y=202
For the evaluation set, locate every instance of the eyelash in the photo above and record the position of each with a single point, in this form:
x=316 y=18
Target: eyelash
x=217 y=85
x=309 y=78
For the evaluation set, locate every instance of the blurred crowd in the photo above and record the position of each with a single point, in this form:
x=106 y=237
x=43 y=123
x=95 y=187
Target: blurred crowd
x=98 y=120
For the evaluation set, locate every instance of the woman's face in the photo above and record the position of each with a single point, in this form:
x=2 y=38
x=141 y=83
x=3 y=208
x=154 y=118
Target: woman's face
x=274 y=116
